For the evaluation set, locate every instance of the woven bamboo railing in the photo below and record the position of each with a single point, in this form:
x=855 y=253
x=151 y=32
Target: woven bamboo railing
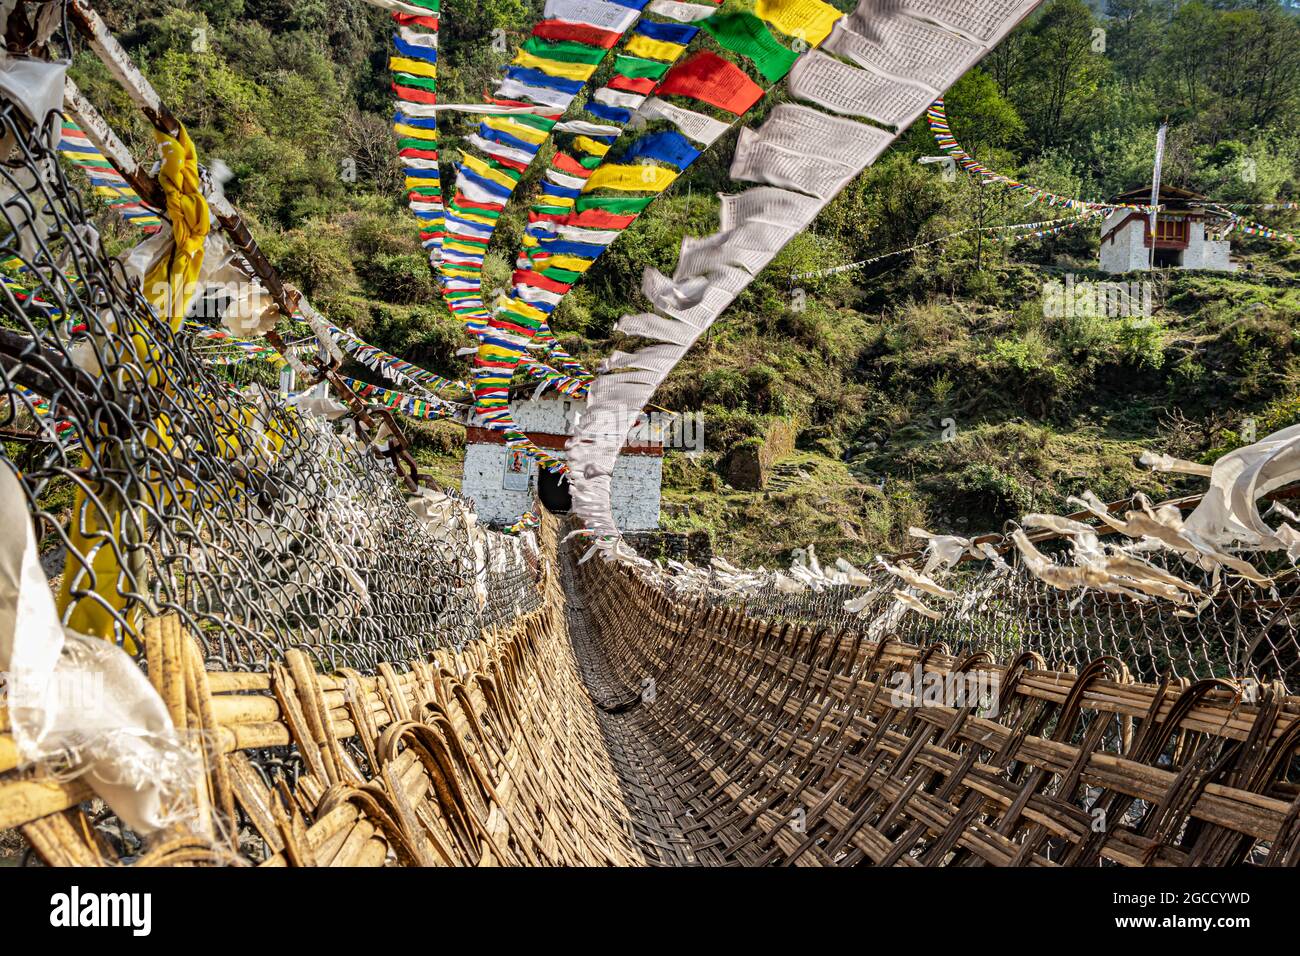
x=786 y=745
x=469 y=758
x=612 y=727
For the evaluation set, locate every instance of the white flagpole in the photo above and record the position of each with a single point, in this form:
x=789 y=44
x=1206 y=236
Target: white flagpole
x=1155 y=186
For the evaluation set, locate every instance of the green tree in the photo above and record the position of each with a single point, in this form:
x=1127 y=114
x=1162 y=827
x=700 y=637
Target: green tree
x=1065 y=71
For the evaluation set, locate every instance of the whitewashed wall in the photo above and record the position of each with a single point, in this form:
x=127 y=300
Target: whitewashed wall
x=1205 y=253
x=1123 y=250
x=637 y=478
x=1127 y=253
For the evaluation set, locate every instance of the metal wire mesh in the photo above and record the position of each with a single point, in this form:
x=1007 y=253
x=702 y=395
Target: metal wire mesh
x=265 y=529
x=1244 y=631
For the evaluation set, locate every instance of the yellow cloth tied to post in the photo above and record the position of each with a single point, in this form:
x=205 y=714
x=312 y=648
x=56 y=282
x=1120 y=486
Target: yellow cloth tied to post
x=188 y=211
x=169 y=285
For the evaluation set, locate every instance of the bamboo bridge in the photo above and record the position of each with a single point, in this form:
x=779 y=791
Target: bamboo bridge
x=245 y=629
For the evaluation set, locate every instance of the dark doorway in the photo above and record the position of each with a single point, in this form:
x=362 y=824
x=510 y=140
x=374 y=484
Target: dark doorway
x=553 y=489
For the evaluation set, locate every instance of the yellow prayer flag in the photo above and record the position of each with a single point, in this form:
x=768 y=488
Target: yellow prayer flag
x=653 y=49
x=809 y=20
x=474 y=164
x=521 y=307
x=474 y=217
x=404 y=64
x=572 y=263
x=415 y=132
x=518 y=130
x=568 y=71
x=637 y=178
x=590 y=146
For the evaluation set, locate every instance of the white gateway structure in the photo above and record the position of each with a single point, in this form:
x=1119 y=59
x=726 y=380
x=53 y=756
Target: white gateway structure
x=505 y=483
x=1181 y=241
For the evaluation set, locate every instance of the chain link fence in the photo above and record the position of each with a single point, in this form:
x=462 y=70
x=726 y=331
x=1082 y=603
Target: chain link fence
x=158 y=486
x=1241 y=631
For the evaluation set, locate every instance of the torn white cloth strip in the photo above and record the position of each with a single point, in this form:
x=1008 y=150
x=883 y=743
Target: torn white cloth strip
x=515 y=90
x=648 y=325
x=1277 y=463
x=1167 y=463
x=904 y=48
x=987 y=20
x=912 y=603
x=1057 y=523
x=565 y=180
x=759 y=161
x=696 y=126
x=585 y=128
x=1227 y=514
x=597 y=237
x=318 y=400
x=851 y=91
x=80 y=700
x=1280 y=467
x=917 y=579
x=418 y=37
x=681 y=12
x=492 y=149
x=809 y=132
x=767 y=204
x=396 y=6
x=596 y=13
x=942 y=550
x=36 y=86
x=630 y=101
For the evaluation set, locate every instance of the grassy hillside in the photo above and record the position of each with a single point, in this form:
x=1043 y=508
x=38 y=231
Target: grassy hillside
x=865 y=370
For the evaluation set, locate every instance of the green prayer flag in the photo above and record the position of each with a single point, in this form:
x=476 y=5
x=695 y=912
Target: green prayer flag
x=637 y=68
x=745 y=34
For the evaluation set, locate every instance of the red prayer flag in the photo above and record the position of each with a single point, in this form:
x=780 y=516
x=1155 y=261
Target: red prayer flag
x=527 y=277
x=578 y=32
x=465 y=203
x=707 y=77
x=633 y=85
x=599 y=219
x=566 y=163
x=414 y=95
x=417 y=19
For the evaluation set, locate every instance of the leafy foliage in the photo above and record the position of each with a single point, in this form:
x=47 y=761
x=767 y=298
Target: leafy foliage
x=867 y=365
